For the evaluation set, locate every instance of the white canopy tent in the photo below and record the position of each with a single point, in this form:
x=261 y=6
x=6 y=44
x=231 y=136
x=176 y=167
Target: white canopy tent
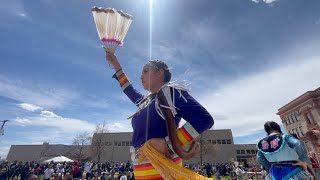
x=58 y=159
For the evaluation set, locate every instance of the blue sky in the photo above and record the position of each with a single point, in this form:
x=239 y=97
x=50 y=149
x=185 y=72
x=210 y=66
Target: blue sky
x=244 y=59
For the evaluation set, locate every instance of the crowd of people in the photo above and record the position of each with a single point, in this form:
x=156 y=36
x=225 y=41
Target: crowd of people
x=102 y=171
x=75 y=170
x=306 y=166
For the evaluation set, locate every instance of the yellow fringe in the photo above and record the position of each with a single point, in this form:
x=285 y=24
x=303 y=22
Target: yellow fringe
x=166 y=168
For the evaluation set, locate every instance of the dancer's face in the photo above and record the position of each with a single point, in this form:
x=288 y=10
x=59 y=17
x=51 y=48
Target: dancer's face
x=151 y=78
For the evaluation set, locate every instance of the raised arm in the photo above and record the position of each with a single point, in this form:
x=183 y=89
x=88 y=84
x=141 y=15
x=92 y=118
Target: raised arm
x=123 y=80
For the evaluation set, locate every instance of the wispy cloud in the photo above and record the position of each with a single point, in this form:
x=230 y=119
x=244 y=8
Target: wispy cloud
x=14 y=8
x=265 y=1
x=30 y=107
x=245 y=104
x=50 y=119
x=169 y=52
x=120 y=126
x=99 y=66
x=4 y=151
x=56 y=129
x=317 y=22
x=47 y=95
x=22 y=14
x=42 y=94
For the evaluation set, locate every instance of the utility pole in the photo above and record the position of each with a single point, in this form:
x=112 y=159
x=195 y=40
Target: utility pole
x=3 y=123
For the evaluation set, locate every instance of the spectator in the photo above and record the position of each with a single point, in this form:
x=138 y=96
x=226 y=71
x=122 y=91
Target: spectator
x=103 y=176
x=123 y=176
x=130 y=175
x=48 y=172
x=209 y=170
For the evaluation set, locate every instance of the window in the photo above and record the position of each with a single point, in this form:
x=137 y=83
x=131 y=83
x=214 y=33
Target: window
x=115 y=143
x=223 y=142
x=287 y=121
x=123 y=143
x=298 y=132
x=229 y=141
x=127 y=143
x=301 y=131
x=218 y=141
x=214 y=142
x=253 y=151
x=290 y=120
x=294 y=131
x=308 y=118
x=238 y=152
x=292 y=117
x=242 y=152
x=296 y=116
x=248 y=151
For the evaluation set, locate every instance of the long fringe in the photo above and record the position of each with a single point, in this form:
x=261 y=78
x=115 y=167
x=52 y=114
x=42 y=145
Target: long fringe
x=177 y=85
x=302 y=175
x=166 y=168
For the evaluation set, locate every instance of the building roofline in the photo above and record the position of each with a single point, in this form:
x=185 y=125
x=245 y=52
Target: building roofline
x=114 y=133
x=219 y=129
x=42 y=144
x=132 y=132
x=299 y=100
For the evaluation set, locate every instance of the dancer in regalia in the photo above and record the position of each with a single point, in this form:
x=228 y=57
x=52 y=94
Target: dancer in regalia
x=156 y=142
x=282 y=155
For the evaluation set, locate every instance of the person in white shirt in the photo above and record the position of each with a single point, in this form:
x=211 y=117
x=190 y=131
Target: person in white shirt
x=238 y=173
x=60 y=171
x=87 y=166
x=123 y=177
x=48 y=173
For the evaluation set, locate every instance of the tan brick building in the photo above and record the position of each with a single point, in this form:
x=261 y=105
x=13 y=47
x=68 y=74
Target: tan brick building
x=217 y=147
x=301 y=115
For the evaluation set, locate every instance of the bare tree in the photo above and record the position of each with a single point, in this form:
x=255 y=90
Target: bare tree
x=44 y=151
x=98 y=144
x=80 y=143
x=206 y=148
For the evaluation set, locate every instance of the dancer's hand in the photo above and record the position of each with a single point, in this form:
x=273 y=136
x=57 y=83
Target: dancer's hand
x=302 y=164
x=113 y=60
